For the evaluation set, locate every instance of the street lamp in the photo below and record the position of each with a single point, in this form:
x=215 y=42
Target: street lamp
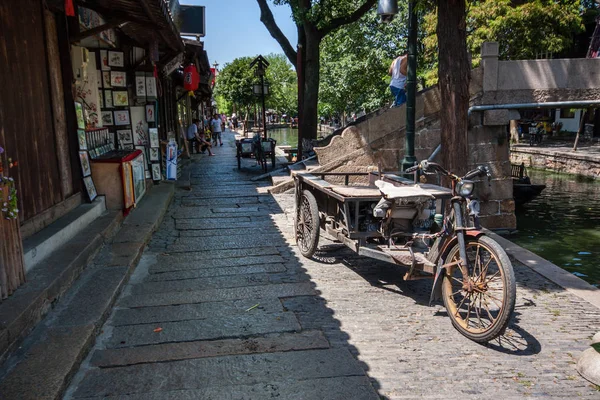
x=261 y=67
x=387 y=9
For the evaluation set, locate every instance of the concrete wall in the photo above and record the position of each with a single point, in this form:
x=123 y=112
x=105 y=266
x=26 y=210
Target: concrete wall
x=561 y=162
x=569 y=124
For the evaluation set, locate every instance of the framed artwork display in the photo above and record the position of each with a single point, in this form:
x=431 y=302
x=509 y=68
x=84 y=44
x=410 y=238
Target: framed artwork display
x=118 y=79
x=140 y=86
x=148 y=174
x=81 y=139
x=153 y=133
x=139 y=125
x=116 y=59
x=150 y=113
x=79 y=113
x=104 y=60
x=150 y=86
x=108 y=99
x=129 y=146
x=154 y=154
x=125 y=136
x=122 y=117
x=145 y=154
x=85 y=163
x=90 y=188
x=120 y=98
x=106 y=79
x=107 y=118
x=156 y=172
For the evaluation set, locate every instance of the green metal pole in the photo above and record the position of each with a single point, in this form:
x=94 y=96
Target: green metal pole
x=411 y=88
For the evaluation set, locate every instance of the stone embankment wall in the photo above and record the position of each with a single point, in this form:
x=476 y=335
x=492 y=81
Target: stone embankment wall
x=557 y=161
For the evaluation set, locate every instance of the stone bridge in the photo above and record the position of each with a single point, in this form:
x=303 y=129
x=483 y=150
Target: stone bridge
x=378 y=138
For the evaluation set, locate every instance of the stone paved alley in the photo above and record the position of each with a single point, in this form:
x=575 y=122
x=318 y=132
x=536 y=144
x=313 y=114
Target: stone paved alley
x=222 y=306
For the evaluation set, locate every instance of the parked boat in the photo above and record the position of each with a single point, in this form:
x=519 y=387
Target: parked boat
x=523 y=190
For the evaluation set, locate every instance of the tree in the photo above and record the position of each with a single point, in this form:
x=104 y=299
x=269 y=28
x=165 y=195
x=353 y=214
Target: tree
x=234 y=83
x=283 y=85
x=314 y=20
x=355 y=61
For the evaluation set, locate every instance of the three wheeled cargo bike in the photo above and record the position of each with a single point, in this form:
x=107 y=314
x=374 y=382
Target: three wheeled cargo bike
x=430 y=230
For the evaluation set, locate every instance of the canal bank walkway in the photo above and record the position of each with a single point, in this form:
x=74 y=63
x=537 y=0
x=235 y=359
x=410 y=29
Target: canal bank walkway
x=559 y=157
x=222 y=306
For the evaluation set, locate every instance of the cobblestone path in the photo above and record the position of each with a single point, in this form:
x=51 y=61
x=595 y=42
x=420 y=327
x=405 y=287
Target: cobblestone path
x=222 y=306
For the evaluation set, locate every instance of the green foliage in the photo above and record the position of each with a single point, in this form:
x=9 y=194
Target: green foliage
x=355 y=61
x=234 y=83
x=523 y=29
x=283 y=85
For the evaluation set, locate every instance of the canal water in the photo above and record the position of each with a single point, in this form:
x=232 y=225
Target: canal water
x=285 y=136
x=562 y=225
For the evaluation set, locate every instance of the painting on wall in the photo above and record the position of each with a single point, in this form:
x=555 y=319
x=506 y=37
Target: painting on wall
x=104 y=60
x=108 y=99
x=120 y=98
x=140 y=86
x=106 y=79
x=85 y=163
x=122 y=117
x=81 y=139
x=156 y=172
x=145 y=154
x=79 y=113
x=154 y=154
x=87 y=93
x=150 y=113
x=150 y=86
x=125 y=136
x=116 y=59
x=107 y=118
x=153 y=136
x=90 y=188
x=140 y=127
x=118 y=79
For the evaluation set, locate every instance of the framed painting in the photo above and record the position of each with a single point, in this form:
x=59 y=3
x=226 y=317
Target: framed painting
x=125 y=136
x=118 y=79
x=145 y=154
x=140 y=86
x=154 y=154
x=107 y=118
x=90 y=188
x=127 y=146
x=150 y=113
x=122 y=117
x=85 y=163
x=156 y=172
x=120 y=98
x=81 y=139
x=108 y=99
x=79 y=113
x=116 y=59
x=139 y=125
x=104 y=60
x=150 y=86
x=153 y=134
x=106 y=79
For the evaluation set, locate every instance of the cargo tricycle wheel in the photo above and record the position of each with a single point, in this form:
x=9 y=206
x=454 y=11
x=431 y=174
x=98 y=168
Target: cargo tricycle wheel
x=480 y=297
x=307 y=224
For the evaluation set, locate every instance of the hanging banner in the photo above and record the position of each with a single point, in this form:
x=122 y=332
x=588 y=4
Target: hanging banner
x=172 y=160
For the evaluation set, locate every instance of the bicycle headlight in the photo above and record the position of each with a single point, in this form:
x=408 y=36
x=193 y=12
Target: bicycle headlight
x=465 y=188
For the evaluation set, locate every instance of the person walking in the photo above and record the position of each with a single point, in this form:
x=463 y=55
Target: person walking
x=215 y=126
x=398 y=71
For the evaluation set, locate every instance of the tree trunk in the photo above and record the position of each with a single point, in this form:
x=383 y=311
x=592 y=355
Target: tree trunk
x=454 y=75
x=311 y=69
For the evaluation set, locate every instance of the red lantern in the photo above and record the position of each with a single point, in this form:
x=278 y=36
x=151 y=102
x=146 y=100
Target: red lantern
x=191 y=79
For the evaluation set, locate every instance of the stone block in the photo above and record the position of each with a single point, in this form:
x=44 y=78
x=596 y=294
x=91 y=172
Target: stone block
x=350 y=140
x=485 y=153
x=496 y=117
x=475 y=119
x=500 y=189
x=507 y=206
x=490 y=49
x=501 y=221
x=490 y=208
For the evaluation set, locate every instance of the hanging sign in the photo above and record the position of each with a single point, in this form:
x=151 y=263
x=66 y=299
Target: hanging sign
x=173 y=64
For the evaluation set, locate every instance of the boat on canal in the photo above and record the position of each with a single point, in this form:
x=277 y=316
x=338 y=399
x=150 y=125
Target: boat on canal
x=523 y=190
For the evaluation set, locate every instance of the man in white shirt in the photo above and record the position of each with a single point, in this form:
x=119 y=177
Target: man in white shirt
x=215 y=127
x=398 y=72
x=192 y=134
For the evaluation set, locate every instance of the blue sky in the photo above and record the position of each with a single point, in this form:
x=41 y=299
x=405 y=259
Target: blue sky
x=233 y=29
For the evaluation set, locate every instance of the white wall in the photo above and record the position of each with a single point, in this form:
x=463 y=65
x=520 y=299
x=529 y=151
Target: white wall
x=569 y=124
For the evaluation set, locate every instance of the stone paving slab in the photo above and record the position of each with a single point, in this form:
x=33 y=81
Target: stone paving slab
x=340 y=388
x=213 y=194
x=187 y=244
x=221 y=271
x=230 y=281
x=231 y=308
x=217 y=223
x=211 y=328
x=232 y=214
x=268 y=343
x=221 y=372
x=215 y=263
x=222 y=254
x=220 y=202
x=190 y=297
x=227 y=232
